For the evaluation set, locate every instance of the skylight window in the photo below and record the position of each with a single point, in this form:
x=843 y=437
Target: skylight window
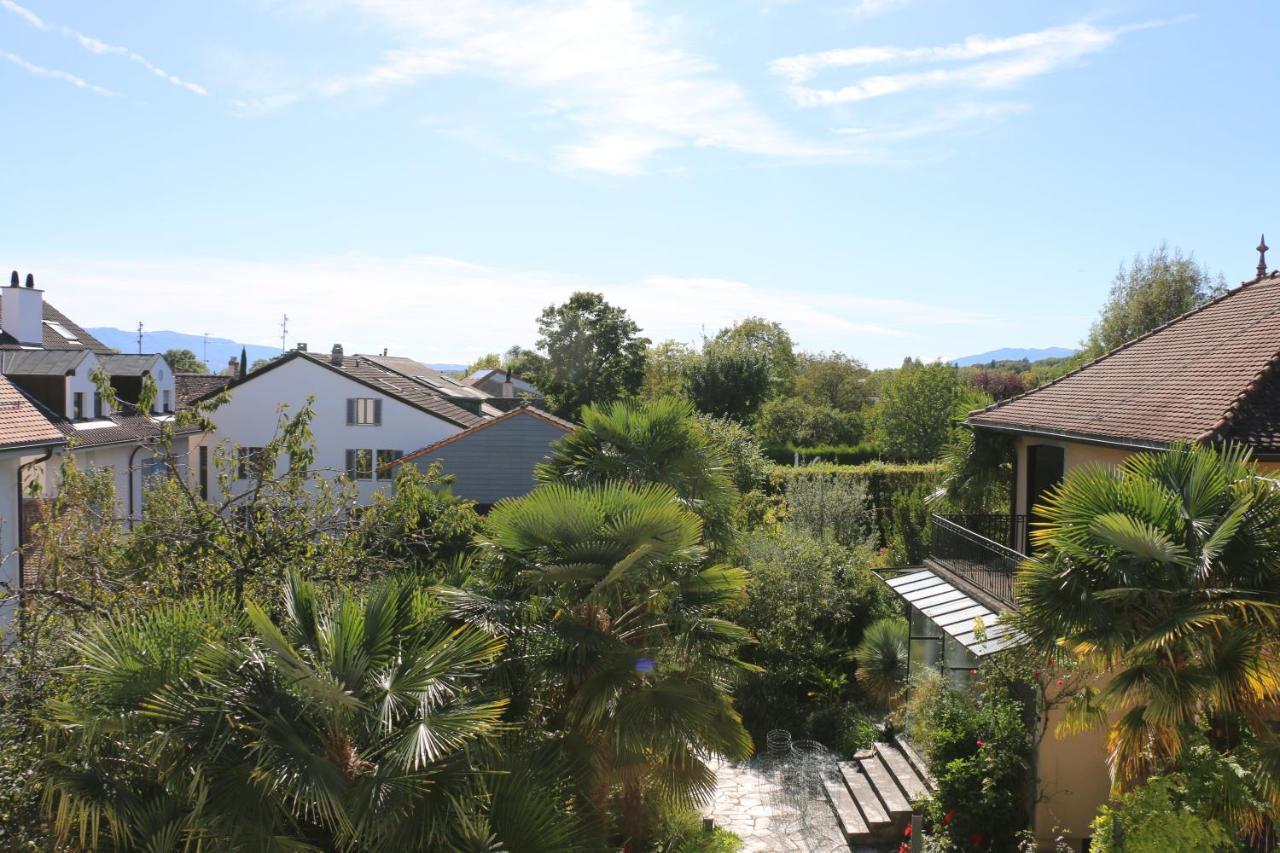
x=63 y=331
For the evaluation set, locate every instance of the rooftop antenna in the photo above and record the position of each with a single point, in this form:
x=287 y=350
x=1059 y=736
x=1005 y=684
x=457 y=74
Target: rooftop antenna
x=139 y=337
x=1262 y=256
x=284 y=332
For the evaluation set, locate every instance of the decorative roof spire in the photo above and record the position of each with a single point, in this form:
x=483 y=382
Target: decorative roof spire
x=1262 y=256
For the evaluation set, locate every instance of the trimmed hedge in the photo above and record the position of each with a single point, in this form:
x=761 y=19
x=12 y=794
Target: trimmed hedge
x=883 y=481
x=837 y=454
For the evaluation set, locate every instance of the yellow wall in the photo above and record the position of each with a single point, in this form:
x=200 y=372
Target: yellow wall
x=1073 y=781
x=1074 y=455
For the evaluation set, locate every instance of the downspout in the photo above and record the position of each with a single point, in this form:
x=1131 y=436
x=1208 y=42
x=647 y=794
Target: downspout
x=129 y=472
x=48 y=454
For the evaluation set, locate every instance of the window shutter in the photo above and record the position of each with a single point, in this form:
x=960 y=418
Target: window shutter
x=377 y=412
x=351 y=462
x=351 y=413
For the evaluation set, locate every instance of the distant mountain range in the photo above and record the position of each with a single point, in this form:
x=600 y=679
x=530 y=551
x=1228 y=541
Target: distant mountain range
x=1013 y=354
x=216 y=352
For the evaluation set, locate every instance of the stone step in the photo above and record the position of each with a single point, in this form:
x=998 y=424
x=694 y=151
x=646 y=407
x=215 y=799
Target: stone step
x=911 y=784
x=917 y=763
x=864 y=794
x=895 y=802
x=855 y=828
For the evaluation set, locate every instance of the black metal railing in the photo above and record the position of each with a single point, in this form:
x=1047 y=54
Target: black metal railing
x=985 y=561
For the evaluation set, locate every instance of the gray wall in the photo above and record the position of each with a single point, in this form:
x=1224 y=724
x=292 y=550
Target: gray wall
x=496 y=462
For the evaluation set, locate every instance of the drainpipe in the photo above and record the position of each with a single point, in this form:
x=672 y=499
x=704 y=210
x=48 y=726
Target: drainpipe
x=48 y=454
x=129 y=472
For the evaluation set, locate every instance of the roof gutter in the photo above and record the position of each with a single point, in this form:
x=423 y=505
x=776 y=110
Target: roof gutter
x=1082 y=438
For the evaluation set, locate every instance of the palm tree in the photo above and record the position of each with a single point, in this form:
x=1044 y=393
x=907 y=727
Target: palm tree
x=1163 y=575
x=635 y=664
x=658 y=441
x=353 y=725
x=882 y=659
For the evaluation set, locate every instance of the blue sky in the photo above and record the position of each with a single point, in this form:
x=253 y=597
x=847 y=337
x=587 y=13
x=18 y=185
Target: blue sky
x=885 y=177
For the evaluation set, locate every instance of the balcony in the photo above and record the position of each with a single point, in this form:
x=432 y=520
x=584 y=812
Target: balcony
x=984 y=551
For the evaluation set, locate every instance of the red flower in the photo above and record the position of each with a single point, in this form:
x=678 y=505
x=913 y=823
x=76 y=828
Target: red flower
x=904 y=847
x=1036 y=673
x=948 y=817
x=973 y=672
x=980 y=743
x=907 y=831
x=1059 y=682
x=976 y=838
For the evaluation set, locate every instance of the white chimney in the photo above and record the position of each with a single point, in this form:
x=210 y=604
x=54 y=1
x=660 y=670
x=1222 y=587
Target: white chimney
x=22 y=311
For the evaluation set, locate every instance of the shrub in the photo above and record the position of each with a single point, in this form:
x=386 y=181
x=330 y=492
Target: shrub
x=881 y=480
x=979 y=749
x=831 y=509
x=835 y=454
x=807 y=605
x=882 y=658
x=1150 y=819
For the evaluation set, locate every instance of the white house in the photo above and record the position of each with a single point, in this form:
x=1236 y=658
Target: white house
x=368 y=412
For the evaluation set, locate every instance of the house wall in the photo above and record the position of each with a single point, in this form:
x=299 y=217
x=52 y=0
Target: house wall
x=497 y=461
x=1073 y=782
x=9 y=463
x=250 y=418
x=1075 y=454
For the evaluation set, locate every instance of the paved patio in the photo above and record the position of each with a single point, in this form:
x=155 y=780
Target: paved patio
x=775 y=807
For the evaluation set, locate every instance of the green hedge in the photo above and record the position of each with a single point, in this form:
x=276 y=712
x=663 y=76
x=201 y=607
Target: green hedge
x=884 y=481
x=838 y=454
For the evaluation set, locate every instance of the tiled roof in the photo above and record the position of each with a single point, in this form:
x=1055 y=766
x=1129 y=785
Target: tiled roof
x=116 y=428
x=53 y=340
x=192 y=386
x=1207 y=375
x=21 y=423
x=39 y=362
x=525 y=410
x=441 y=382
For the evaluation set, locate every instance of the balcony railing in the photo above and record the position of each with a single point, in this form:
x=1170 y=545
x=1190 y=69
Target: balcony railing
x=984 y=550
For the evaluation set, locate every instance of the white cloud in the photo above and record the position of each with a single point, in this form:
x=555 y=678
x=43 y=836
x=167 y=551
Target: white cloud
x=443 y=309
x=55 y=74
x=99 y=47
x=867 y=8
x=26 y=14
x=606 y=67
x=978 y=62
x=948 y=119
x=93 y=45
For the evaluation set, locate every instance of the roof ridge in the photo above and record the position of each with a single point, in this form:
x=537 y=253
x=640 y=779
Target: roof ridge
x=524 y=408
x=1126 y=345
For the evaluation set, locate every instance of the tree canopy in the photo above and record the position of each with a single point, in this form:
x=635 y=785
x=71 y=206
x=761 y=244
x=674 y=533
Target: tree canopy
x=184 y=361
x=594 y=354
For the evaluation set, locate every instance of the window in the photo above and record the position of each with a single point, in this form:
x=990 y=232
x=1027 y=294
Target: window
x=385 y=458
x=168 y=401
x=77 y=405
x=63 y=331
x=252 y=462
x=97 y=404
x=204 y=472
x=364 y=411
x=360 y=464
x=156 y=466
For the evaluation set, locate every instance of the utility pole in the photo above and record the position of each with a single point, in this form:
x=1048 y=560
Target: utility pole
x=284 y=333
x=139 y=337
x=204 y=349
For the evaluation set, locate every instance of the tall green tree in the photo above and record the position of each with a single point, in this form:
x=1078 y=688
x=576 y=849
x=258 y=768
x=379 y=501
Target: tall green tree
x=919 y=407
x=354 y=724
x=1148 y=293
x=772 y=342
x=652 y=442
x=184 y=361
x=664 y=372
x=1163 y=575
x=594 y=354
x=729 y=379
x=608 y=592
x=832 y=381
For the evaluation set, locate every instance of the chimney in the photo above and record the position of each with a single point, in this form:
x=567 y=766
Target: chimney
x=301 y=347
x=22 y=311
x=508 y=390
x=335 y=357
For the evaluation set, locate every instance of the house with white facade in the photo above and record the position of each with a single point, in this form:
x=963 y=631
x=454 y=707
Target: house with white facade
x=369 y=410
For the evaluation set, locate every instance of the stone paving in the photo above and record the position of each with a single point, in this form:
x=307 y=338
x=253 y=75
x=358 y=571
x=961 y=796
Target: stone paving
x=774 y=810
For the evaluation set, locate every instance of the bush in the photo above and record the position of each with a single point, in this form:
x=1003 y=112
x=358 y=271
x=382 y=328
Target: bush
x=1150 y=819
x=881 y=480
x=807 y=605
x=979 y=749
x=679 y=830
x=831 y=509
x=835 y=454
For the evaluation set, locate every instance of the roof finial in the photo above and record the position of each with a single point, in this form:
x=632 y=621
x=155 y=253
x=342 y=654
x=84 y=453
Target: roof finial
x=1262 y=256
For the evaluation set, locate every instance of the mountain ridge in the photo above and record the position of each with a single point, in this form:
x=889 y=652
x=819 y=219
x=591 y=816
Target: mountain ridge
x=1013 y=354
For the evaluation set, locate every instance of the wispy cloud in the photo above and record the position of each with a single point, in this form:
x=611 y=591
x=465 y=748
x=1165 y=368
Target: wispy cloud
x=607 y=68
x=867 y=8
x=978 y=62
x=99 y=47
x=55 y=74
x=26 y=14
x=509 y=299
x=948 y=119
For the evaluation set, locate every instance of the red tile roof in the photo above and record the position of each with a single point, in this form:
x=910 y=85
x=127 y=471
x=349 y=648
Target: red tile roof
x=1208 y=375
x=21 y=423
